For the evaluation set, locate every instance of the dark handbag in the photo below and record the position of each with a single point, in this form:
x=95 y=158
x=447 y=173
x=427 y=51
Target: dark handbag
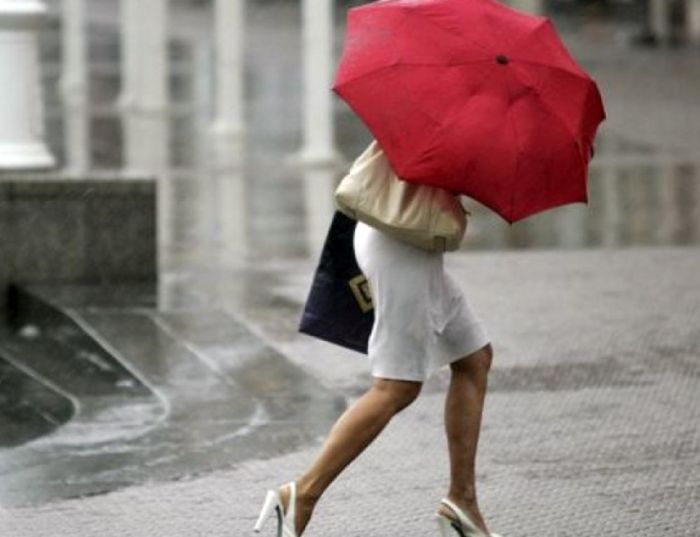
x=339 y=306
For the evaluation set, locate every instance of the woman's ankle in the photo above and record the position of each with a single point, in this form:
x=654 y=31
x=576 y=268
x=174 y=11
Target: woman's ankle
x=463 y=496
x=307 y=494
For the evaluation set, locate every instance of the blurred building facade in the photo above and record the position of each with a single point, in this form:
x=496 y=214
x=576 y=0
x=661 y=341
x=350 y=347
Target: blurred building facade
x=226 y=104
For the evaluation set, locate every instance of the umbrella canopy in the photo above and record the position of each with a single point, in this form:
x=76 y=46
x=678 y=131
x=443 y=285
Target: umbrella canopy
x=473 y=96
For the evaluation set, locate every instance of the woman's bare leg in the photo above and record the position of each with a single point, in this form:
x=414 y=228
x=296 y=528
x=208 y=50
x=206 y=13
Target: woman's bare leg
x=350 y=435
x=463 y=410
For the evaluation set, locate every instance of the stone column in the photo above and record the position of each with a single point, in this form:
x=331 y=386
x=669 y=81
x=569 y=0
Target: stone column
x=571 y=228
x=319 y=140
x=319 y=186
x=74 y=88
x=318 y=159
x=145 y=107
x=536 y=7
x=669 y=216
x=129 y=65
x=610 y=215
x=660 y=20
x=144 y=97
x=694 y=234
x=692 y=9
x=22 y=144
x=202 y=90
x=228 y=127
x=228 y=132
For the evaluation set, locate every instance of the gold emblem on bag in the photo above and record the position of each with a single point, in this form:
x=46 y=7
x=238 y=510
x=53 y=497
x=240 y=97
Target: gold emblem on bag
x=362 y=292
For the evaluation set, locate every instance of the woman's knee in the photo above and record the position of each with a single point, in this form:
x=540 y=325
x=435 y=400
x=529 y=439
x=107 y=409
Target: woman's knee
x=401 y=393
x=481 y=359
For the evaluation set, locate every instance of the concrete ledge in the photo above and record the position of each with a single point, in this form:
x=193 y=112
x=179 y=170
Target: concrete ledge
x=56 y=229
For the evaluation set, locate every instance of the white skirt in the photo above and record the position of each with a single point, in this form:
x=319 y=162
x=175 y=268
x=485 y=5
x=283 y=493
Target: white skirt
x=422 y=320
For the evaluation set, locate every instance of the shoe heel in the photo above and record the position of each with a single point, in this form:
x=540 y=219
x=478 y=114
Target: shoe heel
x=444 y=525
x=464 y=526
x=267 y=509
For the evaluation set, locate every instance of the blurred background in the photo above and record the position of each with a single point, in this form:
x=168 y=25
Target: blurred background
x=245 y=89
x=167 y=170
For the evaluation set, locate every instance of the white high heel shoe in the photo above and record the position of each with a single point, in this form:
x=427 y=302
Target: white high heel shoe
x=464 y=527
x=285 y=521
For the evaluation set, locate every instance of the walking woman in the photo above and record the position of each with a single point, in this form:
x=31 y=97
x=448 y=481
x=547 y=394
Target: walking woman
x=422 y=323
x=473 y=96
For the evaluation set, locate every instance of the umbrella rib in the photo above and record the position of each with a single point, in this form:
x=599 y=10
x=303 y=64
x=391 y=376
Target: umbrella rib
x=551 y=66
x=446 y=64
x=556 y=116
x=368 y=73
x=478 y=88
x=421 y=16
x=410 y=64
x=566 y=128
x=446 y=125
x=551 y=110
x=517 y=157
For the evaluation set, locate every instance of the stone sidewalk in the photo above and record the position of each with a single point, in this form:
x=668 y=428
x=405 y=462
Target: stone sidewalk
x=590 y=425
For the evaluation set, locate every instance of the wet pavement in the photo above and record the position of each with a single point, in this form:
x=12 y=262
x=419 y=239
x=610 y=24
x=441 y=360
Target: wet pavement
x=118 y=393
x=589 y=426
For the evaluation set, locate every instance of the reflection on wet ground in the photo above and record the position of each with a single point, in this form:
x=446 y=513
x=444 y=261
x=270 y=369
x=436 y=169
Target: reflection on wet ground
x=29 y=408
x=113 y=392
x=635 y=197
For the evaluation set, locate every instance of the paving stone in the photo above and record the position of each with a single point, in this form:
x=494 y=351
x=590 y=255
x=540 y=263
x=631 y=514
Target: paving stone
x=589 y=425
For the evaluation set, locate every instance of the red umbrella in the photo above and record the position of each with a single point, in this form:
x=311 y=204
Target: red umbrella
x=473 y=96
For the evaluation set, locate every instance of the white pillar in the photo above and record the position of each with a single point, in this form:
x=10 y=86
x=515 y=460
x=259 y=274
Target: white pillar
x=129 y=65
x=319 y=158
x=571 y=227
x=695 y=212
x=144 y=105
x=317 y=21
x=74 y=88
x=660 y=20
x=536 y=7
x=228 y=132
x=611 y=214
x=319 y=141
x=152 y=100
x=202 y=90
x=228 y=128
x=319 y=186
x=693 y=20
x=144 y=97
x=22 y=144
x=668 y=222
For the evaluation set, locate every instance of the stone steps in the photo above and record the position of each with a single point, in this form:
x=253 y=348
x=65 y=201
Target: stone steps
x=204 y=393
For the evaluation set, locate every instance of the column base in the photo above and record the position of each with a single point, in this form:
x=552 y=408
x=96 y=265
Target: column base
x=27 y=156
x=306 y=159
